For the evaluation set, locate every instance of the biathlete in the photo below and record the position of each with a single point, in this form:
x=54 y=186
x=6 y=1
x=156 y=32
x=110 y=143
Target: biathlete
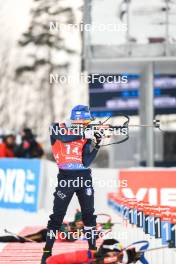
x=67 y=228
x=111 y=251
x=69 y=232
x=73 y=154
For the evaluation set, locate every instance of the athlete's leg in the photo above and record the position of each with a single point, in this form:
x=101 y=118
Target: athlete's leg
x=86 y=199
x=39 y=236
x=62 y=198
x=7 y=239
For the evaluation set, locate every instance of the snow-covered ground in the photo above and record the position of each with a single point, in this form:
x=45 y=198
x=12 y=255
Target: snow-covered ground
x=16 y=220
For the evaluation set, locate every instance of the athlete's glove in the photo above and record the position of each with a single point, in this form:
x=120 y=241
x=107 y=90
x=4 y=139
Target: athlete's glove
x=98 y=137
x=88 y=134
x=131 y=256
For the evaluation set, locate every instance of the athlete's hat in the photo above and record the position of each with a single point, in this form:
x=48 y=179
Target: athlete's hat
x=81 y=112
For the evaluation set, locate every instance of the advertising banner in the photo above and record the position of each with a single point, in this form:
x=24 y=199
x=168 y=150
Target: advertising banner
x=157 y=187
x=19 y=184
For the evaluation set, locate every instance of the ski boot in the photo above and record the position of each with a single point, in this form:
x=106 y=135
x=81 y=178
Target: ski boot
x=46 y=254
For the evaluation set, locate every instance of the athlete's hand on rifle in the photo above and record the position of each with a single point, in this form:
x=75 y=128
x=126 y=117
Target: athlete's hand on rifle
x=131 y=256
x=89 y=134
x=98 y=136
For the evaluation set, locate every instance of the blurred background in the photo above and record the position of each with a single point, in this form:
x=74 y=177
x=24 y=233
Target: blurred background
x=48 y=49
x=124 y=38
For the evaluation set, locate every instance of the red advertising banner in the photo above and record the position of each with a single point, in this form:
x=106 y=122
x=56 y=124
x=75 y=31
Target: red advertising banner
x=157 y=187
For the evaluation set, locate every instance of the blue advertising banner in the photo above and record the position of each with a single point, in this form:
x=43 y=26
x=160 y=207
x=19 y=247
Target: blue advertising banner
x=19 y=183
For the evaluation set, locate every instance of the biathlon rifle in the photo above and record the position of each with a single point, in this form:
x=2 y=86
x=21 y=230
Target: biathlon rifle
x=101 y=126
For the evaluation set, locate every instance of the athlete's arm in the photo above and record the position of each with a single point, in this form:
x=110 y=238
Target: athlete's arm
x=57 y=133
x=89 y=153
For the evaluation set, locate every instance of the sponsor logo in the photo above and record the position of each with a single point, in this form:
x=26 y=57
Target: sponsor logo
x=156 y=187
x=89 y=191
x=163 y=196
x=61 y=195
x=17 y=186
